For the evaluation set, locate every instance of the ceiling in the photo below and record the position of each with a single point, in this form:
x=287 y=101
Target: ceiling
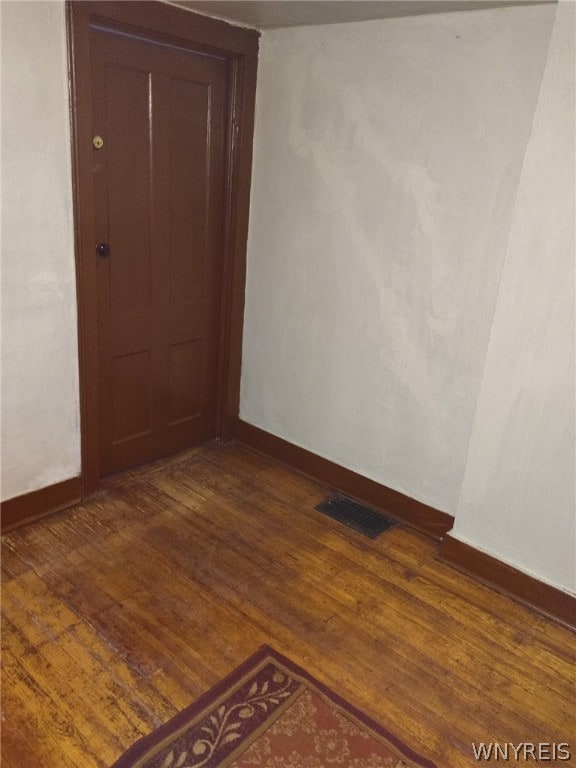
x=270 y=14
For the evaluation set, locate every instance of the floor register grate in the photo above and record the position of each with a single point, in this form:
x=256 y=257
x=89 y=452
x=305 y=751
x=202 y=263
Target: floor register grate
x=356 y=516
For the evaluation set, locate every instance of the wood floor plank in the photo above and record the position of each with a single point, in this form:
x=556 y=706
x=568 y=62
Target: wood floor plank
x=323 y=607
x=407 y=593
x=39 y=728
x=120 y=612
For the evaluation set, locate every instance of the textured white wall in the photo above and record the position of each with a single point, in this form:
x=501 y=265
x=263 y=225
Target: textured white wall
x=40 y=412
x=518 y=499
x=387 y=161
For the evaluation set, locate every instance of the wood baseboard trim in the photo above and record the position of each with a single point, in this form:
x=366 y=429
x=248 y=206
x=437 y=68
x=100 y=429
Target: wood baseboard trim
x=31 y=506
x=537 y=595
x=393 y=503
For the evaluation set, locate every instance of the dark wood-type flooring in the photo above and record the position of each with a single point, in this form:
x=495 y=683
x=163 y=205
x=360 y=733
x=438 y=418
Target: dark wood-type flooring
x=120 y=612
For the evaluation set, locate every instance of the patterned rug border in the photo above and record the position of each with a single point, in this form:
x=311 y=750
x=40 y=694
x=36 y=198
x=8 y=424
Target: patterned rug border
x=245 y=669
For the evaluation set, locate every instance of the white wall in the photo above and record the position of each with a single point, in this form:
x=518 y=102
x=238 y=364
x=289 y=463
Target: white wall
x=40 y=411
x=388 y=159
x=518 y=496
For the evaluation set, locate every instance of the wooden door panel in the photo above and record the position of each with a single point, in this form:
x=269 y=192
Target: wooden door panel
x=131 y=396
x=184 y=381
x=128 y=216
x=189 y=152
x=159 y=181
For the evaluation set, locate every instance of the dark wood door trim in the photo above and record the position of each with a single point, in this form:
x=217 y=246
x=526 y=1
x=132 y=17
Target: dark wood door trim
x=159 y=21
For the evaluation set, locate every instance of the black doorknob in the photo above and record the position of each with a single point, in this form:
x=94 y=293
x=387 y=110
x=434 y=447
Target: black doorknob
x=103 y=249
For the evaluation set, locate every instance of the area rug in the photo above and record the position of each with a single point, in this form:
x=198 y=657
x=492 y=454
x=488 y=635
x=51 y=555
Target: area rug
x=271 y=713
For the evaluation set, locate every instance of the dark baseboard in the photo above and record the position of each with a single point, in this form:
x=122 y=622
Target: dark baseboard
x=31 y=506
x=395 y=504
x=535 y=594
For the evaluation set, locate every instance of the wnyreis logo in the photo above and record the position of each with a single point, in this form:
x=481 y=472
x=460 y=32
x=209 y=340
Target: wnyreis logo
x=544 y=752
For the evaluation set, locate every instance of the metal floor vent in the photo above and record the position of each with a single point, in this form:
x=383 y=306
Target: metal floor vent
x=354 y=515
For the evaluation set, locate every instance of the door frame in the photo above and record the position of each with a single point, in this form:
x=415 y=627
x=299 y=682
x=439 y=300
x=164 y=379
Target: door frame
x=239 y=47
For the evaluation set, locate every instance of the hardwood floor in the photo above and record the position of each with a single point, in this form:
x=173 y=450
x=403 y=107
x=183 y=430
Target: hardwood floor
x=120 y=612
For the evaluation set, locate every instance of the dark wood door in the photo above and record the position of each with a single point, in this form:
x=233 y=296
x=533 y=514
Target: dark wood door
x=159 y=196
